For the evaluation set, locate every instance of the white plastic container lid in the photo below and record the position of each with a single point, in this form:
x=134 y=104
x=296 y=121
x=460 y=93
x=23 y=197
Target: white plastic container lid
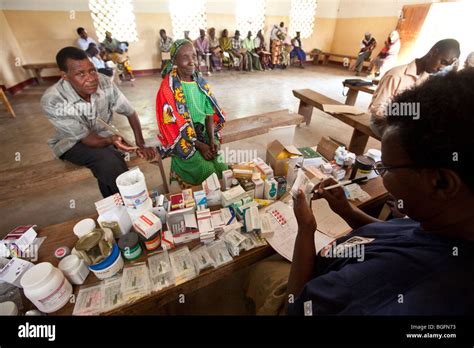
x=36 y=275
x=8 y=308
x=69 y=263
x=83 y=227
x=374 y=154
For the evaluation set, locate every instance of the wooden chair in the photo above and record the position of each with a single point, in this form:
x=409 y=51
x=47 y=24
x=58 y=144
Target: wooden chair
x=6 y=102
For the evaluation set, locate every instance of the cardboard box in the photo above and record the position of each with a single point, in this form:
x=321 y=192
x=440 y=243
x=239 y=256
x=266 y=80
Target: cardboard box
x=311 y=157
x=327 y=146
x=278 y=156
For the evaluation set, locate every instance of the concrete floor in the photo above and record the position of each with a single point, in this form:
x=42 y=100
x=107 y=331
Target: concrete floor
x=241 y=94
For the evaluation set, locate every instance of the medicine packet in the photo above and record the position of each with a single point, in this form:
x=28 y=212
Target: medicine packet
x=161 y=274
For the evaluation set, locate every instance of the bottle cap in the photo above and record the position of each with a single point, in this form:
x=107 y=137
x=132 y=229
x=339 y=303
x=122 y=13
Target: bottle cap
x=61 y=252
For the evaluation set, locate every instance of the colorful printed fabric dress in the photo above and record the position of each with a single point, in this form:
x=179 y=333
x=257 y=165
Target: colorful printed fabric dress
x=196 y=169
x=181 y=109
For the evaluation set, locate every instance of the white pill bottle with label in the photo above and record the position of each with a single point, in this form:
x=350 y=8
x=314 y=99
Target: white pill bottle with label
x=46 y=287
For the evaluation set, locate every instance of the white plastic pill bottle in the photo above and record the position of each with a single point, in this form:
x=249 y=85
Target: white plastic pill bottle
x=46 y=287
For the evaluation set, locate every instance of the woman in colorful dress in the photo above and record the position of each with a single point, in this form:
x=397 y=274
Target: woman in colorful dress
x=189 y=119
x=228 y=58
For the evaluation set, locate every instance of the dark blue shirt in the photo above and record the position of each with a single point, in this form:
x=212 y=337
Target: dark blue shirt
x=402 y=271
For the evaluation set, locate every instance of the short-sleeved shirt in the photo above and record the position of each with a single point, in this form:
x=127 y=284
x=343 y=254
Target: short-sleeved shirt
x=110 y=46
x=202 y=45
x=248 y=44
x=165 y=45
x=198 y=104
x=404 y=271
x=394 y=82
x=236 y=43
x=84 y=44
x=74 y=118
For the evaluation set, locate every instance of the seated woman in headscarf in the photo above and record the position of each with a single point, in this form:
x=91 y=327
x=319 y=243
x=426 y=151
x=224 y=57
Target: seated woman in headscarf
x=228 y=58
x=387 y=57
x=261 y=50
x=189 y=119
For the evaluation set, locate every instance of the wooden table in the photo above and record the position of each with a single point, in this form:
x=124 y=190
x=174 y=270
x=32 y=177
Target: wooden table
x=354 y=92
x=62 y=235
x=38 y=67
x=310 y=99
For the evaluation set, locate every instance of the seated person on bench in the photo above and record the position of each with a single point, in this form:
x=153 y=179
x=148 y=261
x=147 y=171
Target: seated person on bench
x=189 y=119
x=74 y=104
x=400 y=78
x=420 y=265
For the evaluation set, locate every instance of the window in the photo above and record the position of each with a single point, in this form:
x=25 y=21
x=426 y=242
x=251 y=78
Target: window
x=188 y=15
x=250 y=15
x=302 y=17
x=115 y=16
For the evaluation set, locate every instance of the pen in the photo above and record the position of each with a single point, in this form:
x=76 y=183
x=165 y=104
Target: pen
x=345 y=183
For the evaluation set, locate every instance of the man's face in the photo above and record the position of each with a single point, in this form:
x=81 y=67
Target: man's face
x=282 y=25
x=82 y=75
x=437 y=61
x=83 y=34
x=249 y=34
x=163 y=35
x=212 y=32
x=186 y=60
x=367 y=37
x=224 y=33
x=202 y=33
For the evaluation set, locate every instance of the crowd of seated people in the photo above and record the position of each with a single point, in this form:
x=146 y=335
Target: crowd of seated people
x=243 y=53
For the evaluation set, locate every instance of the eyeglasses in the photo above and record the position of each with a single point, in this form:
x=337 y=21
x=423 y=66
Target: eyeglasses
x=381 y=169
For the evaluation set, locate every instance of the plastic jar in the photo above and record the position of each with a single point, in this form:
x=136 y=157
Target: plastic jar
x=362 y=167
x=110 y=266
x=46 y=287
x=153 y=242
x=130 y=246
x=74 y=269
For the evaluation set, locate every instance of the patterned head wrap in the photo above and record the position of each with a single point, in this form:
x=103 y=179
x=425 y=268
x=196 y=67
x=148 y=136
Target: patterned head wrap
x=174 y=52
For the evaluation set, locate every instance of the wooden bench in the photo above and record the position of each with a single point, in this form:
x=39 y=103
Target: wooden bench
x=354 y=92
x=310 y=99
x=327 y=55
x=48 y=175
x=37 y=67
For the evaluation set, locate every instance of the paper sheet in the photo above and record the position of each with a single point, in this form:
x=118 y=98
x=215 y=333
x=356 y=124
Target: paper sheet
x=283 y=238
x=342 y=109
x=329 y=222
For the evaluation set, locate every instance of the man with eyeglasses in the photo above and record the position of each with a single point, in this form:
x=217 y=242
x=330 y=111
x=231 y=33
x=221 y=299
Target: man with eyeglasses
x=421 y=265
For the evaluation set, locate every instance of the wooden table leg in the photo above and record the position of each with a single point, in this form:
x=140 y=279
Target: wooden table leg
x=7 y=103
x=351 y=96
x=306 y=111
x=159 y=162
x=358 y=142
x=37 y=73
